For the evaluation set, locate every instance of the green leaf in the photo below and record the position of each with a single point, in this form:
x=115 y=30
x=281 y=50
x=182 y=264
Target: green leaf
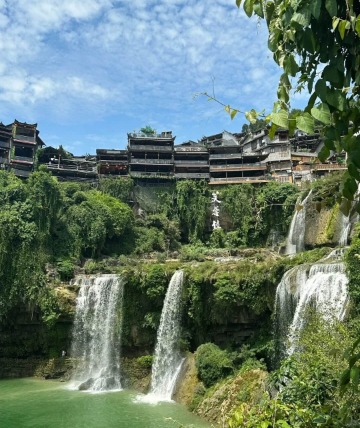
x=283 y=93
x=353 y=171
x=315 y=8
x=280 y=118
x=309 y=40
x=248 y=7
x=269 y=11
x=273 y=40
x=259 y=8
x=322 y=114
x=349 y=188
x=233 y=113
x=321 y=89
x=302 y=18
x=354 y=376
x=311 y=102
x=238 y=3
x=357 y=25
x=331 y=7
x=342 y=28
x=332 y=74
x=336 y=98
x=324 y=153
x=335 y=22
x=292 y=126
x=290 y=65
x=272 y=130
x=305 y=122
x=251 y=115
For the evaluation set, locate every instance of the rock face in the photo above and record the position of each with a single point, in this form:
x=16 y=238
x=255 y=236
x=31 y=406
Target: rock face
x=326 y=225
x=188 y=382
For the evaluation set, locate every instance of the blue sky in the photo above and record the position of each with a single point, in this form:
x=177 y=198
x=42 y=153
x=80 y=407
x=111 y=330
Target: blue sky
x=90 y=71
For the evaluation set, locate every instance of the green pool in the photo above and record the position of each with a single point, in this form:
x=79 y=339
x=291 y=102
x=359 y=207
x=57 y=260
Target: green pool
x=48 y=404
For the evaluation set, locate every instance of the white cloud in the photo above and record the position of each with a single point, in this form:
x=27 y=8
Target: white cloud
x=141 y=59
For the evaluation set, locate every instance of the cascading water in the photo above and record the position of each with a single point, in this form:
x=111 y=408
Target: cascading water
x=322 y=286
x=167 y=359
x=295 y=239
x=97 y=333
x=345 y=229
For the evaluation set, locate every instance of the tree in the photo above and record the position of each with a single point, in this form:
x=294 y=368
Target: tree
x=317 y=43
x=148 y=130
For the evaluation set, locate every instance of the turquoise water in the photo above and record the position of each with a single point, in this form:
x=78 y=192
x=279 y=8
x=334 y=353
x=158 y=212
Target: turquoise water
x=34 y=403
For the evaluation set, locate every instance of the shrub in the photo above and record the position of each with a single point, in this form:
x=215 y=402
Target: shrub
x=65 y=269
x=212 y=363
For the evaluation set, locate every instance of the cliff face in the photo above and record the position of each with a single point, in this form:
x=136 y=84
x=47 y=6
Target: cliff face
x=326 y=225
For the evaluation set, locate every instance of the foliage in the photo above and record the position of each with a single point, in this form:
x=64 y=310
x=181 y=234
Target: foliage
x=274 y=204
x=212 y=363
x=253 y=127
x=145 y=361
x=325 y=191
x=148 y=130
x=45 y=154
x=118 y=187
x=156 y=233
x=65 y=269
x=192 y=202
x=45 y=221
x=307 y=384
x=308 y=39
x=238 y=203
x=352 y=260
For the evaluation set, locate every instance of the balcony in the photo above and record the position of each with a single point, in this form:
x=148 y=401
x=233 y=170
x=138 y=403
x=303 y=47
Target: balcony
x=151 y=161
x=329 y=166
x=234 y=180
x=113 y=162
x=200 y=175
x=4 y=144
x=191 y=149
x=150 y=148
x=257 y=166
x=144 y=174
x=25 y=139
x=23 y=159
x=227 y=156
x=72 y=167
x=191 y=162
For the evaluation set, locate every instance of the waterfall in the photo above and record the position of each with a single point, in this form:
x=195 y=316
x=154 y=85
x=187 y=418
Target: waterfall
x=97 y=333
x=296 y=236
x=167 y=359
x=345 y=229
x=322 y=286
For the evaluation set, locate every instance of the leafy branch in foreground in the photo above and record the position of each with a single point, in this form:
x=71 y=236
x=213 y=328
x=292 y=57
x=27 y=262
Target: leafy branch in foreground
x=317 y=44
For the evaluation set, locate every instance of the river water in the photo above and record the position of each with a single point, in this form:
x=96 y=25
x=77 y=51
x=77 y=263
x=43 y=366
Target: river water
x=35 y=403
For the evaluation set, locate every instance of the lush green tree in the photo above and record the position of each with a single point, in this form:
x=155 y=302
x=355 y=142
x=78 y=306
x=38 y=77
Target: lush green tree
x=253 y=127
x=317 y=43
x=118 y=187
x=148 y=130
x=193 y=208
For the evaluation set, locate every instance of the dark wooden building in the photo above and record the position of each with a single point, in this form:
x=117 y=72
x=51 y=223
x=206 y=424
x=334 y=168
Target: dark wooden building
x=112 y=162
x=151 y=155
x=191 y=161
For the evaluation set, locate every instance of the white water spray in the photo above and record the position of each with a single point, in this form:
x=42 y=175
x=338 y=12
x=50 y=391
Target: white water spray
x=167 y=359
x=97 y=333
x=295 y=240
x=322 y=286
